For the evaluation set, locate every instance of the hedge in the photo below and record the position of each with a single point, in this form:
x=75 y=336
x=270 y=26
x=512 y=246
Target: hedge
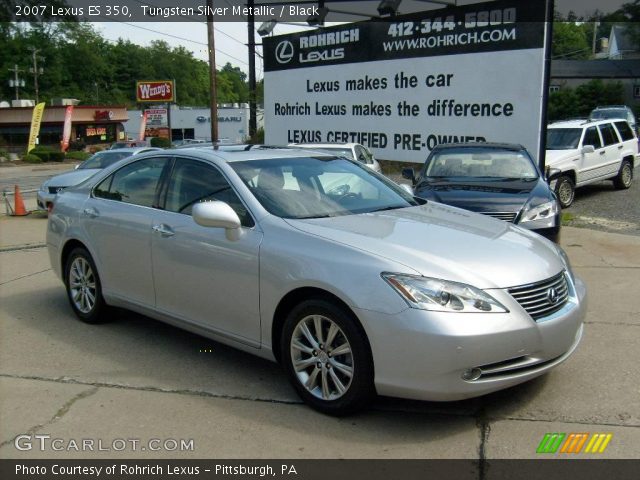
x=29 y=158
x=78 y=155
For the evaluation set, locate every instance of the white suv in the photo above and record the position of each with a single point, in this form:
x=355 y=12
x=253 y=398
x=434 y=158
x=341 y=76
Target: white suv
x=587 y=152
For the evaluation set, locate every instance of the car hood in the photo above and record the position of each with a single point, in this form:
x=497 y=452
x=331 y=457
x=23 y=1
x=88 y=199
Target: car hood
x=445 y=242
x=72 y=177
x=497 y=196
x=552 y=157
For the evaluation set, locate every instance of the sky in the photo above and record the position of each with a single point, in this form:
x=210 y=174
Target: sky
x=231 y=37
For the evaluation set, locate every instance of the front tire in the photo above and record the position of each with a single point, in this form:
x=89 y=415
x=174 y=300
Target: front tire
x=625 y=176
x=327 y=357
x=565 y=190
x=84 y=289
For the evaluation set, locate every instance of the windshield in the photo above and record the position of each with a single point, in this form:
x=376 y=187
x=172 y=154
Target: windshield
x=608 y=113
x=563 y=138
x=480 y=163
x=309 y=187
x=103 y=159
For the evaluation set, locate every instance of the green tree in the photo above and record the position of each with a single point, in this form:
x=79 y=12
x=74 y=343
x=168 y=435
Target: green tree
x=571 y=40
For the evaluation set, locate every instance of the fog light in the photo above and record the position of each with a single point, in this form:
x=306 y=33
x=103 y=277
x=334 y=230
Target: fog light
x=471 y=374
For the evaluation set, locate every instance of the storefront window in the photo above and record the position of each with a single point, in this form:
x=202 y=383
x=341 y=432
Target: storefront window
x=98 y=133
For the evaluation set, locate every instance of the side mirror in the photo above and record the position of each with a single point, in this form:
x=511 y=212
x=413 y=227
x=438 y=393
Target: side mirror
x=588 y=149
x=553 y=174
x=409 y=174
x=407 y=188
x=215 y=215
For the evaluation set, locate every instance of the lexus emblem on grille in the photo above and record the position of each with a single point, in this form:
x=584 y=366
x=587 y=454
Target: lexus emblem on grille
x=552 y=296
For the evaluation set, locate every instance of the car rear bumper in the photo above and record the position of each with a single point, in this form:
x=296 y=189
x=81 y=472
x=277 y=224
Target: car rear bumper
x=423 y=355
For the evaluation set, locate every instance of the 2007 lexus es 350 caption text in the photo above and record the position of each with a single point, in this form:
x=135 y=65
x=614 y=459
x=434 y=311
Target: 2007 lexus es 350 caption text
x=351 y=283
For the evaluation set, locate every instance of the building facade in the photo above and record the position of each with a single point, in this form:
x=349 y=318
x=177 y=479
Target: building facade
x=91 y=125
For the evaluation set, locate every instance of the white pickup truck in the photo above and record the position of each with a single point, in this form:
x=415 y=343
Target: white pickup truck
x=587 y=152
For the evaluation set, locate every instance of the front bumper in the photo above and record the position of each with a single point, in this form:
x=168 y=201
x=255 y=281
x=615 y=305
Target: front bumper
x=422 y=355
x=44 y=199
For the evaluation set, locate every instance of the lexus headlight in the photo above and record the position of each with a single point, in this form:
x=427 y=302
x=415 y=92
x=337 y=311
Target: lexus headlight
x=565 y=260
x=541 y=212
x=43 y=187
x=441 y=295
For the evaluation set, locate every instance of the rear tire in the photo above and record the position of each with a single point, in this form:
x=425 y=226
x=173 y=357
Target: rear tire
x=565 y=190
x=84 y=289
x=625 y=176
x=327 y=357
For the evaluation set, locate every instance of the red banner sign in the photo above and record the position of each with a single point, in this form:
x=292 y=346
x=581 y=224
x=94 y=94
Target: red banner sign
x=156 y=91
x=66 y=130
x=143 y=125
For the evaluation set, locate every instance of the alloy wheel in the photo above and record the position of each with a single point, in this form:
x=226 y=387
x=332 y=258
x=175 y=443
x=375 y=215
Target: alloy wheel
x=322 y=358
x=82 y=285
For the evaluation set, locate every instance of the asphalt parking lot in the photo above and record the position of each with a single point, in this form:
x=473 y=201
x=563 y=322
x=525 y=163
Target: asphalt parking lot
x=135 y=378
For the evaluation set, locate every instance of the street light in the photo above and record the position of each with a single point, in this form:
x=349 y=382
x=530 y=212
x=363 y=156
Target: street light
x=389 y=7
x=315 y=20
x=267 y=27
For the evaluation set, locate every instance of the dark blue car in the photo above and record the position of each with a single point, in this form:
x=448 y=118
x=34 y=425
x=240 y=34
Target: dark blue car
x=496 y=179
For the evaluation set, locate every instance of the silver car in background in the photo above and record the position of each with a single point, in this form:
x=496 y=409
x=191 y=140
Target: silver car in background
x=316 y=262
x=352 y=151
x=50 y=188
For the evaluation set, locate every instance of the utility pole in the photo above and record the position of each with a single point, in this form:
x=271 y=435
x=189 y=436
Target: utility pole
x=212 y=74
x=16 y=81
x=596 y=24
x=253 y=124
x=35 y=70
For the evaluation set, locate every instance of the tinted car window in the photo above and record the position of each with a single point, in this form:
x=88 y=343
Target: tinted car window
x=591 y=137
x=608 y=134
x=192 y=182
x=625 y=130
x=135 y=183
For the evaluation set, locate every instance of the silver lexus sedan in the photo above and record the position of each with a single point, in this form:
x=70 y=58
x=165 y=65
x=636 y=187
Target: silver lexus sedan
x=314 y=261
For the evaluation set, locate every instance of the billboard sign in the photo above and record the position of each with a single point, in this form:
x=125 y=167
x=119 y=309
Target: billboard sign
x=157 y=122
x=155 y=91
x=406 y=84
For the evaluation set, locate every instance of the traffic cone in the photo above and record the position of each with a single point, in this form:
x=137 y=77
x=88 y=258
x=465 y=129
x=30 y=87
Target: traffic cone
x=20 y=210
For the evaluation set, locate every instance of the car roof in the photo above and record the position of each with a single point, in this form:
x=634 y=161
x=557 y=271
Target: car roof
x=494 y=145
x=581 y=123
x=131 y=149
x=261 y=153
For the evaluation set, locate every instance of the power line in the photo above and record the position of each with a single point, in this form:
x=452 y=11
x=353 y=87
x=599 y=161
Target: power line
x=184 y=39
x=216 y=29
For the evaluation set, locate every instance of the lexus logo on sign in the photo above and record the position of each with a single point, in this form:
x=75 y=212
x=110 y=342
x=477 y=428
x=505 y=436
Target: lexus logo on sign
x=284 y=51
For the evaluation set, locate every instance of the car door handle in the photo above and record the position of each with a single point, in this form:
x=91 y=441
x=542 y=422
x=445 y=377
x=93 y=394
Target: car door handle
x=90 y=212
x=602 y=152
x=163 y=230
x=620 y=147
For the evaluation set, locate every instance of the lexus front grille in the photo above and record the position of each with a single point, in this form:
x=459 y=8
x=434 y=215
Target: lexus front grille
x=543 y=298
x=506 y=216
